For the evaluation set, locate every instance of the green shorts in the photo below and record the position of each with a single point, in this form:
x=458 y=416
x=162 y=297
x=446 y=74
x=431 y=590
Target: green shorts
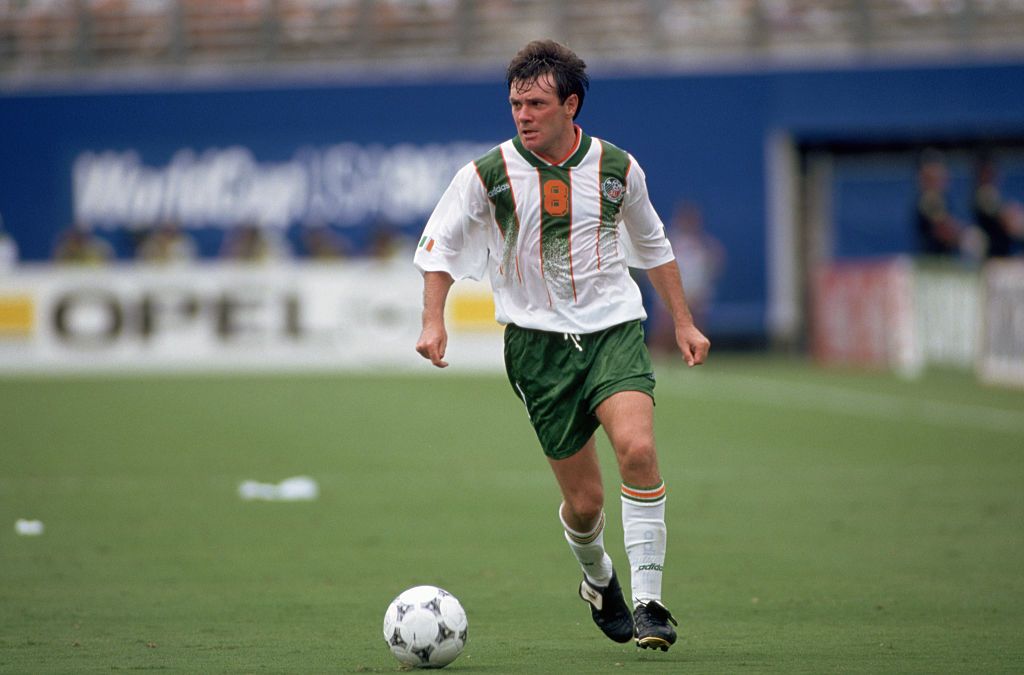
x=562 y=378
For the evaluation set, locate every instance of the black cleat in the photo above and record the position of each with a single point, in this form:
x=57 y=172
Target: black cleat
x=609 y=609
x=652 y=626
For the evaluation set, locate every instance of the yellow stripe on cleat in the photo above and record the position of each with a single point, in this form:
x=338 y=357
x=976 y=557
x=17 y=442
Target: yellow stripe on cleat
x=653 y=643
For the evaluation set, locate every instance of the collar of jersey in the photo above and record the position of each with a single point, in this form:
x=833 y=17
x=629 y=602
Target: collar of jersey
x=573 y=159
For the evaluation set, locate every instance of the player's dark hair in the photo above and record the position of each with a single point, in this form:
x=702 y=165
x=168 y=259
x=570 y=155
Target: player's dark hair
x=547 y=56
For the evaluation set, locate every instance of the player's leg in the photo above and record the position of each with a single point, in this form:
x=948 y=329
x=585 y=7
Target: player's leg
x=547 y=372
x=628 y=419
x=582 y=517
x=582 y=511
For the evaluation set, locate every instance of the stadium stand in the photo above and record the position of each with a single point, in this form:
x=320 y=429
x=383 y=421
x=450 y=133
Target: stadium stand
x=43 y=36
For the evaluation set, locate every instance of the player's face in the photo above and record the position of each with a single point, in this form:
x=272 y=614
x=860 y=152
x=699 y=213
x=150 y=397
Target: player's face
x=544 y=124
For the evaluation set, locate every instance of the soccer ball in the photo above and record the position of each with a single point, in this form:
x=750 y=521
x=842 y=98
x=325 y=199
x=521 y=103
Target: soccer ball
x=425 y=626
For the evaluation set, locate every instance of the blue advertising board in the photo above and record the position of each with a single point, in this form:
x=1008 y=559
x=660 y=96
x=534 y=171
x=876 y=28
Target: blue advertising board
x=361 y=156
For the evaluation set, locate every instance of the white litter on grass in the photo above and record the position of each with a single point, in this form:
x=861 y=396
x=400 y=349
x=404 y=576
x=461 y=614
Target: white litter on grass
x=295 y=489
x=28 y=528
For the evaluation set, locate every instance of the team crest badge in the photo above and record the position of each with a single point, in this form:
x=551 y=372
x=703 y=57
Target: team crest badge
x=613 y=189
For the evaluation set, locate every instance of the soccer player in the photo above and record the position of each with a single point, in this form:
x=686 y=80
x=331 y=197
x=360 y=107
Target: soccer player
x=554 y=217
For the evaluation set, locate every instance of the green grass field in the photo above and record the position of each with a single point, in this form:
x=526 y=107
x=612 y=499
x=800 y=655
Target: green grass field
x=819 y=522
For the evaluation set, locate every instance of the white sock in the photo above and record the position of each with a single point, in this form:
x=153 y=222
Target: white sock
x=645 y=537
x=588 y=547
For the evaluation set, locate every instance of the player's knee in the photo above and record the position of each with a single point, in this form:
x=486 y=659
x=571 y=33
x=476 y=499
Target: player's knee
x=583 y=510
x=638 y=458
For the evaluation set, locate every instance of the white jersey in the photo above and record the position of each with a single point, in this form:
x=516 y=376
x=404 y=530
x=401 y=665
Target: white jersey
x=555 y=239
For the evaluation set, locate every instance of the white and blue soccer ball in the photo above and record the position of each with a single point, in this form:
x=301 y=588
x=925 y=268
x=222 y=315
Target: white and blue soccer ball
x=425 y=627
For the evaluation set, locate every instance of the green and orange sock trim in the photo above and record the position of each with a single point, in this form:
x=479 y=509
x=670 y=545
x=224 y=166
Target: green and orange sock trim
x=647 y=496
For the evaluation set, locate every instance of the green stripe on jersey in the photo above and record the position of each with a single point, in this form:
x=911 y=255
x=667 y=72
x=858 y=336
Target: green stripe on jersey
x=556 y=230
x=494 y=175
x=612 y=182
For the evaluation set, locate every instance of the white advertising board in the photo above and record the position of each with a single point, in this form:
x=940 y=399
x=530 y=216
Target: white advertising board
x=894 y=314
x=1002 y=354
x=345 y=316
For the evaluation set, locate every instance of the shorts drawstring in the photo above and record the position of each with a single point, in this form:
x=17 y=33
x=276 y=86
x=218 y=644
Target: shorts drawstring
x=575 y=340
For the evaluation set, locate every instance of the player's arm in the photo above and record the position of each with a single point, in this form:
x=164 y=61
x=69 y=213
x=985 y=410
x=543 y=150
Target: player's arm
x=454 y=246
x=434 y=336
x=692 y=343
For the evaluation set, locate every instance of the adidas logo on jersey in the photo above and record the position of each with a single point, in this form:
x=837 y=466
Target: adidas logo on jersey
x=498 y=189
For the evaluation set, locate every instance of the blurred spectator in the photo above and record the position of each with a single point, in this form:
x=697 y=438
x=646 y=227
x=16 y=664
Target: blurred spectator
x=991 y=213
x=252 y=243
x=938 y=231
x=80 y=247
x=1013 y=219
x=166 y=243
x=387 y=243
x=701 y=259
x=8 y=250
x=699 y=255
x=321 y=242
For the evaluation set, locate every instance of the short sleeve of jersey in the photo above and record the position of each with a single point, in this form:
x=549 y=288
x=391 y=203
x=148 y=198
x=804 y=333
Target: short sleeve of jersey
x=456 y=235
x=646 y=245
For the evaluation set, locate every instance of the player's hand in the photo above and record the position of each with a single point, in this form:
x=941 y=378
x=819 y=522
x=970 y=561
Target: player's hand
x=432 y=344
x=693 y=345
